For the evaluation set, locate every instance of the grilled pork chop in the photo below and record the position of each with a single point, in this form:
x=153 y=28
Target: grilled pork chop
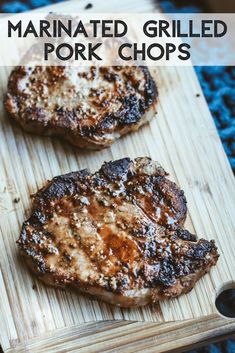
x=116 y=234
x=89 y=107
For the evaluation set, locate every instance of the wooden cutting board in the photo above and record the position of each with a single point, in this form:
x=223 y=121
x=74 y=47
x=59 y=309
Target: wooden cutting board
x=183 y=138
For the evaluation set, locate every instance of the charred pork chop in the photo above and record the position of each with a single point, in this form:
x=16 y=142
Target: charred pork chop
x=116 y=234
x=89 y=107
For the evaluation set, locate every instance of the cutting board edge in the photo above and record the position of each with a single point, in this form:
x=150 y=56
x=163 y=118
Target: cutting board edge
x=106 y=335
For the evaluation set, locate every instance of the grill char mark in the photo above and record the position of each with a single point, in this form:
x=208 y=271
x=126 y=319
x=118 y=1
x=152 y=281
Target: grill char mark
x=105 y=243
x=89 y=109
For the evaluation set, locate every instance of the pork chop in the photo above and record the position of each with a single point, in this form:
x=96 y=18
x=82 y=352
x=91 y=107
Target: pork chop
x=89 y=107
x=116 y=234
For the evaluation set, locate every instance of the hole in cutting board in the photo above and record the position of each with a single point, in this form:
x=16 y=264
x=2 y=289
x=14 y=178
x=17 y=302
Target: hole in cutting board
x=225 y=300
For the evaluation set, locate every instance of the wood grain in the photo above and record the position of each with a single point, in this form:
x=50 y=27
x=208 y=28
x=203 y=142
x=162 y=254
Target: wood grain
x=131 y=337
x=184 y=140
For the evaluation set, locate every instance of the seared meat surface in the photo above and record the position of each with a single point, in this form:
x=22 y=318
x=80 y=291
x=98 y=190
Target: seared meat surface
x=89 y=107
x=116 y=234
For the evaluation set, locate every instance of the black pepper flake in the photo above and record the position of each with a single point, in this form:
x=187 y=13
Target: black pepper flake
x=67 y=256
x=198 y=95
x=16 y=200
x=88 y=6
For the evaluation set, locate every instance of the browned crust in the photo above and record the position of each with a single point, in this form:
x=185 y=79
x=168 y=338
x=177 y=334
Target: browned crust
x=120 y=297
x=172 y=258
x=134 y=106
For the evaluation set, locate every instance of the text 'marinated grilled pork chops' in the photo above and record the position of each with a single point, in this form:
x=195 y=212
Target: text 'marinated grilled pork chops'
x=89 y=107
x=116 y=234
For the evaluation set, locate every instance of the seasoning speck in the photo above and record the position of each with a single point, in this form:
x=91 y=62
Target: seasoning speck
x=16 y=200
x=198 y=95
x=88 y=6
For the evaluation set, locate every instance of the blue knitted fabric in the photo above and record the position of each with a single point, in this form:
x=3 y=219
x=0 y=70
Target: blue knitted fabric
x=218 y=84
